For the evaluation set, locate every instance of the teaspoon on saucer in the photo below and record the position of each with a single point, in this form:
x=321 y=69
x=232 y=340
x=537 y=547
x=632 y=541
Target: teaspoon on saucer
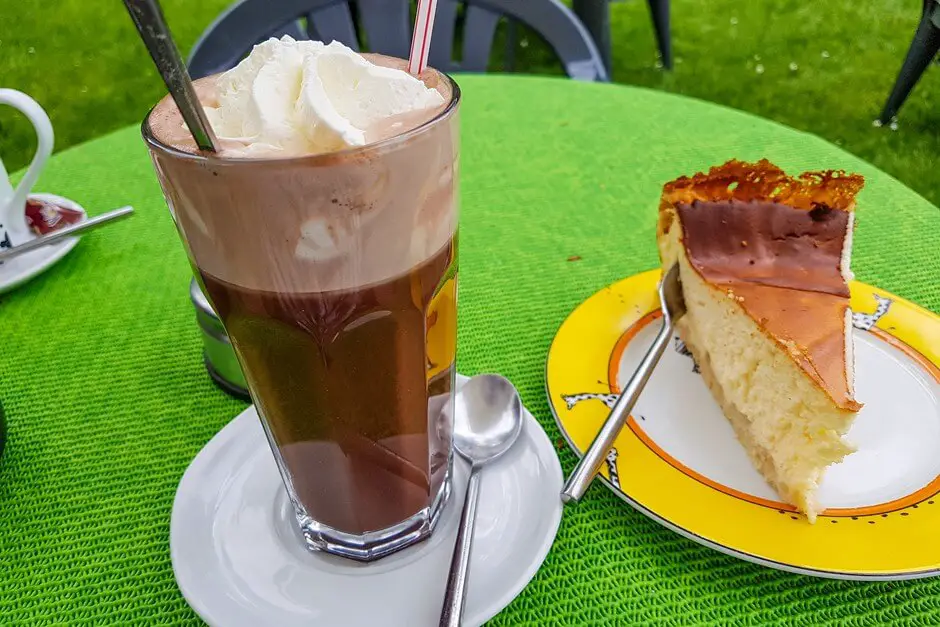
x=65 y=232
x=487 y=421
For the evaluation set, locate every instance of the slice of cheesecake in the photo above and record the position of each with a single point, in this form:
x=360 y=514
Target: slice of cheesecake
x=764 y=263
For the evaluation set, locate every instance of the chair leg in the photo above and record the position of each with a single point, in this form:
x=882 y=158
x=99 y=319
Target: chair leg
x=923 y=49
x=512 y=37
x=659 y=9
x=595 y=15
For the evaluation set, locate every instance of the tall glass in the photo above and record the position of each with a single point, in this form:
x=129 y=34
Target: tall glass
x=335 y=276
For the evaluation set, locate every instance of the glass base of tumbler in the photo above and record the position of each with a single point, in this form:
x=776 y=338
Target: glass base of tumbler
x=377 y=544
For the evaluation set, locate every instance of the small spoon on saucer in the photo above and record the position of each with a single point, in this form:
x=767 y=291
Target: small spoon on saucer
x=487 y=421
x=65 y=232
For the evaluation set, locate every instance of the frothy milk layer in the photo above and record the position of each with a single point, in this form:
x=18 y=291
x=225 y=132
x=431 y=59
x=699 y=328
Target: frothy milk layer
x=276 y=220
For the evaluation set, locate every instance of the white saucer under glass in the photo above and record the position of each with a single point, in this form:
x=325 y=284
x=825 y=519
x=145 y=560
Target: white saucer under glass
x=239 y=559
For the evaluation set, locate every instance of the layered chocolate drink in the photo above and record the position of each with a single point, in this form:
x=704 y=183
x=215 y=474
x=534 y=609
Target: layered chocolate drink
x=324 y=235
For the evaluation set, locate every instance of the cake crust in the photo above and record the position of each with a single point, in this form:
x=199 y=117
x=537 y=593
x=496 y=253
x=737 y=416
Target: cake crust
x=739 y=180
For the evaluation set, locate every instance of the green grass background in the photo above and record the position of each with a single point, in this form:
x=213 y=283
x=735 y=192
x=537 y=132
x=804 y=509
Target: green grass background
x=82 y=60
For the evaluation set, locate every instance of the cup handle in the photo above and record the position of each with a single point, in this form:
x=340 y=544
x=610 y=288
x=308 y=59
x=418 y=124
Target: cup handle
x=45 y=140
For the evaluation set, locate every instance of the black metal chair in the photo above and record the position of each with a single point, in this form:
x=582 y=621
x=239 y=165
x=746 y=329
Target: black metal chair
x=659 y=10
x=384 y=26
x=923 y=49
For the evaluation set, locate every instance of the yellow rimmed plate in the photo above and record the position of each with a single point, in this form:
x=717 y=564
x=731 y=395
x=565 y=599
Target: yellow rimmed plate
x=678 y=461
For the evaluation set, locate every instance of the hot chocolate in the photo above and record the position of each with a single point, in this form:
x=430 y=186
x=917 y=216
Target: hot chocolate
x=331 y=259
x=346 y=380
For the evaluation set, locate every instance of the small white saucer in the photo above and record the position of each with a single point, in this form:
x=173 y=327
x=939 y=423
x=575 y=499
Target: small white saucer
x=239 y=562
x=19 y=270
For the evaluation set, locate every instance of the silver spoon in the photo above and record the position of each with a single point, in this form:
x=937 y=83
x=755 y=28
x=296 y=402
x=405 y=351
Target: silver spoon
x=153 y=30
x=487 y=421
x=65 y=232
x=673 y=306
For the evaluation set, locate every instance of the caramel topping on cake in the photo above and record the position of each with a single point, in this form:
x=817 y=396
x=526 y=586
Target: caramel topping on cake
x=779 y=246
x=737 y=180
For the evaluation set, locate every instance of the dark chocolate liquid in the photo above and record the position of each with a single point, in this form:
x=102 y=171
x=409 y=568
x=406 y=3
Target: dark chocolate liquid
x=352 y=384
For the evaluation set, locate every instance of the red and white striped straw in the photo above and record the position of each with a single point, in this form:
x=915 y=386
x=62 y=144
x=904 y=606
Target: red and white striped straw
x=421 y=38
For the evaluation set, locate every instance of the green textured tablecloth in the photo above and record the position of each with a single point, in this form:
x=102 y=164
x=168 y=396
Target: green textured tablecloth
x=107 y=399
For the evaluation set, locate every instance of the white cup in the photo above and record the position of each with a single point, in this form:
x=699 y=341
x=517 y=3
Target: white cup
x=13 y=228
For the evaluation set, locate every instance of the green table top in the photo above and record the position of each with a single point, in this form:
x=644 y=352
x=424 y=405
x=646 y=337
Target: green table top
x=107 y=400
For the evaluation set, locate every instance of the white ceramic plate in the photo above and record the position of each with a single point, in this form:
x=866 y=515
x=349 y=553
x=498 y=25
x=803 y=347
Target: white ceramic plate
x=19 y=270
x=238 y=561
x=678 y=460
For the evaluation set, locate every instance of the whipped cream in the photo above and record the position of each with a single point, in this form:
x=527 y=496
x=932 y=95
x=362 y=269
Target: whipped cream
x=293 y=97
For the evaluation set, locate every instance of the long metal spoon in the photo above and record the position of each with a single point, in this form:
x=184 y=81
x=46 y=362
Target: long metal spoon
x=154 y=31
x=487 y=421
x=673 y=306
x=65 y=232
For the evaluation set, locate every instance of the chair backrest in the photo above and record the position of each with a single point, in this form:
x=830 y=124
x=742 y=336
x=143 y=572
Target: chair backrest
x=385 y=27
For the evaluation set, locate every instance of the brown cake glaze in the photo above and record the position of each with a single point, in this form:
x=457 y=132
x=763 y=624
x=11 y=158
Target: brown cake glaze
x=766 y=243
x=776 y=244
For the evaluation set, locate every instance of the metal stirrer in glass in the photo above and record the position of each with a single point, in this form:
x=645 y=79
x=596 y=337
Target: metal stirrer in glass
x=153 y=30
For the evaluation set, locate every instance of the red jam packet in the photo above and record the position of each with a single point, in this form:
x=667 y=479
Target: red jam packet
x=44 y=217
